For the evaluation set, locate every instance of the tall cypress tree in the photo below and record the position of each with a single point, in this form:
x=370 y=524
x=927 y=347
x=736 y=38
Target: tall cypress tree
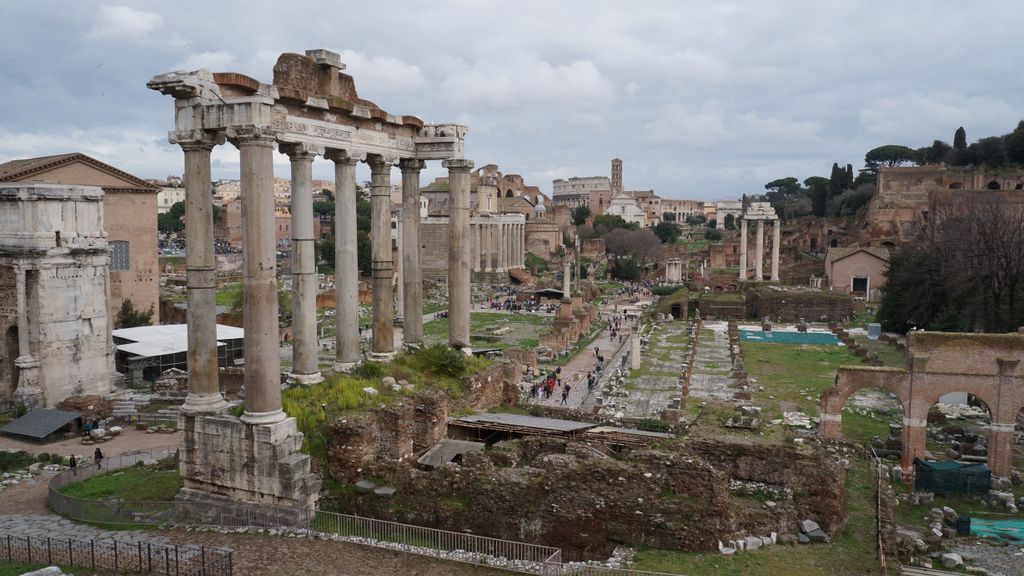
x=960 y=139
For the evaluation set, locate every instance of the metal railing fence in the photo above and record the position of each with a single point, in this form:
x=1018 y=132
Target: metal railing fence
x=134 y=557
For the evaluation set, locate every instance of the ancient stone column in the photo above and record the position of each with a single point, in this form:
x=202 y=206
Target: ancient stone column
x=487 y=242
x=412 y=275
x=204 y=395
x=259 y=252
x=776 y=240
x=458 y=253
x=759 y=255
x=743 y=250
x=383 y=346
x=502 y=247
x=566 y=277
x=26 y=390
x=305 y=345
x=474 y=231
x=346 y=262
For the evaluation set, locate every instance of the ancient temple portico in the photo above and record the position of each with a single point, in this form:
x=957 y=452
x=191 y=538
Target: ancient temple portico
x=311 y=109
x=760 y=213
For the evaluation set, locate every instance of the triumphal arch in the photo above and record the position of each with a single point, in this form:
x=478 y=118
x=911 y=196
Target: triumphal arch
x=985 y=365
x=310 y=109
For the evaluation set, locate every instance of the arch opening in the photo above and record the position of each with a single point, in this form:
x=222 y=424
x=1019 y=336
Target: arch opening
x=993 y=185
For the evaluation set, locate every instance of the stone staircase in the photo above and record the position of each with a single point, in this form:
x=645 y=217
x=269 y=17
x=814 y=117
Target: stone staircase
x=126 y=405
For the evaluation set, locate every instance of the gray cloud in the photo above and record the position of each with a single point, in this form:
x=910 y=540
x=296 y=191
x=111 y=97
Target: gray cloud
x=700 y=100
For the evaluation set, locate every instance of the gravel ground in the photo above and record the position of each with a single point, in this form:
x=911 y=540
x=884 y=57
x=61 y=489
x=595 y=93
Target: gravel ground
x=257 y=555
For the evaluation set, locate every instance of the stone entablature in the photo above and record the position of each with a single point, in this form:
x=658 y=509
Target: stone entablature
x=986 y=365
x=54 y=261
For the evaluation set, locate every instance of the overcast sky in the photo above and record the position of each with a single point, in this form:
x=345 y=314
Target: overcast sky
x=701 y=100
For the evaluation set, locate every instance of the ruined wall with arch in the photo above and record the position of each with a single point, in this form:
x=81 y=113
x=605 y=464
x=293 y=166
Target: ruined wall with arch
x=985 y=365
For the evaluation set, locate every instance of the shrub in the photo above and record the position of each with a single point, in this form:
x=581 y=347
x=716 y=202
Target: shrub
x=370 y=370
x=43 y=457
x=665 y=290
x=653 y=425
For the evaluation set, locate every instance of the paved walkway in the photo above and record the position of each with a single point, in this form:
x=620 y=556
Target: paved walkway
x=712 y=370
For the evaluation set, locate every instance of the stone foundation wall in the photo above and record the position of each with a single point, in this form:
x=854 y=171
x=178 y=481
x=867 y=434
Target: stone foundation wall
x=562 y=493
x=792 y=305
x=548 y=491
x=222 y=456
x=397 y=433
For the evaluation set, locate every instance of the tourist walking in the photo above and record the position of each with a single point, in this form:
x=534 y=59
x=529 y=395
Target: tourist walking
x=97 y=457
x=565 y=395
x=73 y=464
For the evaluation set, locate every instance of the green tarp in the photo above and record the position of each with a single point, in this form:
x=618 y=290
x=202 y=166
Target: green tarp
x=949 y=477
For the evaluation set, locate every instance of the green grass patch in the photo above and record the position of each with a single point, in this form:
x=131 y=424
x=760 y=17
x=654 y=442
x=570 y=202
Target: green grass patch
x=155 y=483
x=793 y=372
x=432 y=367
x=852 y=553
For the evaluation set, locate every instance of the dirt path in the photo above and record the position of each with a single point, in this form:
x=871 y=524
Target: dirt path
x=257 y=555
x=129 y=440
x=26 y=497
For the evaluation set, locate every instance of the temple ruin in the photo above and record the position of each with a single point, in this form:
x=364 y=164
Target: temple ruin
x=310 y=109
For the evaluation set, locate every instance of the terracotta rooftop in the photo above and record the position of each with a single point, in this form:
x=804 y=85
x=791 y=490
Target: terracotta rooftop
x=18 y=170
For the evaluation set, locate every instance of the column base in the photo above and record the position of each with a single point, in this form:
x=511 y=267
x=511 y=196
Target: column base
x=382 y=356
x=775 y=278
x=410 y=346
x=306 y=379
x=272 y=417
x=224 y=460
x=345 y=367
x=200 y=404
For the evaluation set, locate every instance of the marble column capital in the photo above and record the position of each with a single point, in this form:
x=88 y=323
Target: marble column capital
x=252 y=135
x=379 y=163
x=458 y=165
x=196 y=139
x=344 y=156
x=298 y=151
x=408 y=165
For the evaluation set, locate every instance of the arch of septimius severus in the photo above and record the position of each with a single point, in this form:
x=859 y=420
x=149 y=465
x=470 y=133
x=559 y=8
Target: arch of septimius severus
x=310 y=109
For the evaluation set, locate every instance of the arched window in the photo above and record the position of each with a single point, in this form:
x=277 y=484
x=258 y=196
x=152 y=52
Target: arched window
x=993 y=185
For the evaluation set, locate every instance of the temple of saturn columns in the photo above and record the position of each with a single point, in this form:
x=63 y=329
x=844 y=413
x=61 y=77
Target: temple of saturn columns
x=761 y=213
x=311 y=109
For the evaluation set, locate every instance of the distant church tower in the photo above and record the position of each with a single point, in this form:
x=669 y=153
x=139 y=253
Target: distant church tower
x=616 y=176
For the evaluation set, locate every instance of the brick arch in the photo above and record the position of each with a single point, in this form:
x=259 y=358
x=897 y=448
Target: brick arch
x=986 y=365
x=852 y=379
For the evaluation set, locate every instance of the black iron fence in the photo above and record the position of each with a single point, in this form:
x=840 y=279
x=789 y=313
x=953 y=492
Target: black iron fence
x=134 y=557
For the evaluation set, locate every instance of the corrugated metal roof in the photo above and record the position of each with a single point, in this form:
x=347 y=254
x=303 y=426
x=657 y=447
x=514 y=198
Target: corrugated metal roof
x=40 y=423
x=446 y=450
x=526 y=422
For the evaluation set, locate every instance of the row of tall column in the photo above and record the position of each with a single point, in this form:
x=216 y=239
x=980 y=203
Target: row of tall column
x=759 y=252
x=260 y=309
x=497 y=246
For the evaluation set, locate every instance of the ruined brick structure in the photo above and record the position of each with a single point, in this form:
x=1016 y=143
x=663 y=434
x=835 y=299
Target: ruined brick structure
x=567 y=494
x=985 y=365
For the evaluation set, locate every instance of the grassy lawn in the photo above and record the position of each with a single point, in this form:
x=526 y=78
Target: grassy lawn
x=16 y=568
x=526 y=328
x=853 y=551
x=793 y=373
x=159 y=483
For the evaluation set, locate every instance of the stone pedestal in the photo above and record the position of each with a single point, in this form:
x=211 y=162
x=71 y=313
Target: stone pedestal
x=28 y=392
x=223 y=457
